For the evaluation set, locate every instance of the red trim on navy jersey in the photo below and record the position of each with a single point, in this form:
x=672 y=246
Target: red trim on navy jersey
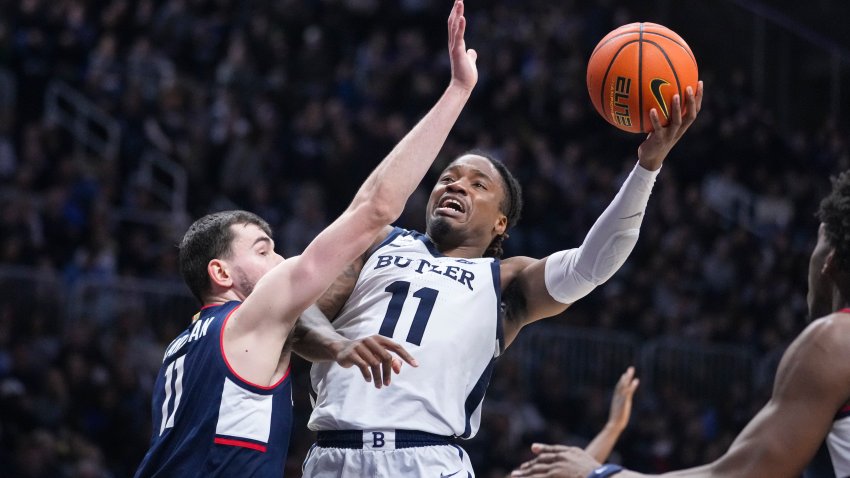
x=240 y=443
x=845 y=310
x=844 y=412
x=207 y=306
x=229 y=367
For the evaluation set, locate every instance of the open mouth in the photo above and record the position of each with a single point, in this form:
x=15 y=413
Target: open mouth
x=450 y=206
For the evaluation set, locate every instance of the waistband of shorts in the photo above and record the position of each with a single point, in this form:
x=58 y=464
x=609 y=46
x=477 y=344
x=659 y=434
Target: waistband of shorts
x=380 y=439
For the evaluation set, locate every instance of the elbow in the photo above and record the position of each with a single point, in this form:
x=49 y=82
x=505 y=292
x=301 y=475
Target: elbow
x=376 y=210
x=382 y=213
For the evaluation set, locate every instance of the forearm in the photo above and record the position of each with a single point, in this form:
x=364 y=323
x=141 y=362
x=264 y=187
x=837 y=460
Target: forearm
x=395 y=179
x=603 y=443
x=572 y=274
x=314 y=338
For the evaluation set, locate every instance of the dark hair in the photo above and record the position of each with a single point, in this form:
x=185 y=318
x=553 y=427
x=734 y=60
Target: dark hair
x=511 y=205
x=209 y=238
x=834 y=212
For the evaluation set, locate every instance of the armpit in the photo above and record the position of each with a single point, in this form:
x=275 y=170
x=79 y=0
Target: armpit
x=331 y=302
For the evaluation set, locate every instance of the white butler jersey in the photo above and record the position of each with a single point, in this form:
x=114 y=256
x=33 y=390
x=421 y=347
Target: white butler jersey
x=446 y=313
x=833 y=458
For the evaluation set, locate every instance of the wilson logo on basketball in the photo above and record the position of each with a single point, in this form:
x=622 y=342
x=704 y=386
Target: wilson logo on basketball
x=655 y=86
x=620 y=101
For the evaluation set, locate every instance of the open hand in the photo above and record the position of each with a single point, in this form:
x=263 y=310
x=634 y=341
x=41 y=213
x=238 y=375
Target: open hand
x=621 y=402
x=372 y=356
x=464 y=71
x=556 y=461
x=661 y=140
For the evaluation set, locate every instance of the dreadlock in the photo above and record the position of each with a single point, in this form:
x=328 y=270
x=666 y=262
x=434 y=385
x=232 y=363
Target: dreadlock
x=511 y=205
x=834 y=212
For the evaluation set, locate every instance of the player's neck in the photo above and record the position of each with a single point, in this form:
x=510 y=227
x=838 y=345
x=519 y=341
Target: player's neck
x=464 y=252
x=222 y=297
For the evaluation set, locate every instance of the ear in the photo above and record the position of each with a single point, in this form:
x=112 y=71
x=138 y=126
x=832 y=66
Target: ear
x=829 y=267
x=219 y=273
x=501 y=225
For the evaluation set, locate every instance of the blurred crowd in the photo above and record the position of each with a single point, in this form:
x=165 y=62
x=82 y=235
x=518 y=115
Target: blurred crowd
x=282 y=108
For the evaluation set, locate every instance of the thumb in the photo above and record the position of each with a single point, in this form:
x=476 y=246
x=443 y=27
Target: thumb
x=472 y=54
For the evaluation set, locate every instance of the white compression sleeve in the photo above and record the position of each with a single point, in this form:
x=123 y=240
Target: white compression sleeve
x=572 y=274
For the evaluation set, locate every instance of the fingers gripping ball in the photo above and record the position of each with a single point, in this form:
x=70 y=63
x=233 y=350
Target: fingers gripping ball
x=638 y=67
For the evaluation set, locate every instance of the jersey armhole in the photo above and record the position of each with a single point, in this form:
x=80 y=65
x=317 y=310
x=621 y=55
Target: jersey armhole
x=397 y=231
x=233 y=372
x=496 y=270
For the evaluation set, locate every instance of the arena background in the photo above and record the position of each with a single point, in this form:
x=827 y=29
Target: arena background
x=120 y=121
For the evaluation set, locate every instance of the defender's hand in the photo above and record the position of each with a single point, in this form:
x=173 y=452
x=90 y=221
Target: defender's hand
x=621 y=402
x=372 y=356
x=661 y=140
x=556 y=461
x=464 y=71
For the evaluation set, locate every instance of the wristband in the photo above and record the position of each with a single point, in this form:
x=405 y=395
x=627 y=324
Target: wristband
x=605 y=471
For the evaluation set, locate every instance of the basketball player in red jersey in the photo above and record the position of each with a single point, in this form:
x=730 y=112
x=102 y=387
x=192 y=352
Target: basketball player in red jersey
x=805 y=427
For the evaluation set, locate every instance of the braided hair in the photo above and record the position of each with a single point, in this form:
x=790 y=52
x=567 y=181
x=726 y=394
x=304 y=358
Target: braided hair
x=511 y=205
x=834 y=212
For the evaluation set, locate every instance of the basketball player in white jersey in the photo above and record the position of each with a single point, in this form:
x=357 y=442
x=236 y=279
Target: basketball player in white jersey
x=222 y=402
x=805 y=427
x=455 y=306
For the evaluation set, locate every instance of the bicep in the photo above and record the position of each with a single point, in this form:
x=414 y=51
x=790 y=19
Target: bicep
x=288 y=289
x=332 y=300
x=525 y=296
x=326 y=257
x=812 y=383
x=779 y=441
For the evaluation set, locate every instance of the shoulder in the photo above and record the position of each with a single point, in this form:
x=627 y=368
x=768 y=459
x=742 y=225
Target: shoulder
x=820 y=356
x=512 y=266
x=830 y=330
x=829 y=333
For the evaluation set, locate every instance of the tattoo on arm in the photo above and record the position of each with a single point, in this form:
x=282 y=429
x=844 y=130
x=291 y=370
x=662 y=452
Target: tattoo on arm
x=334 y=298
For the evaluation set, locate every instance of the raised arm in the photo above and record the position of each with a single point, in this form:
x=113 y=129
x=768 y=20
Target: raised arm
x=618 y=417
x=254 y=336
x=812 y=384
x=543 y=288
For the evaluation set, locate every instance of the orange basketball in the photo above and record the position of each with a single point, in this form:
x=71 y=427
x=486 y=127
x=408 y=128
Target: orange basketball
x=638 y=67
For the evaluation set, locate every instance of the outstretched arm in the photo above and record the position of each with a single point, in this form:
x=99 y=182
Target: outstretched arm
x=546 y=287
x=315 y=339
x=621 y=409
x=254 y=336
x=812 y=384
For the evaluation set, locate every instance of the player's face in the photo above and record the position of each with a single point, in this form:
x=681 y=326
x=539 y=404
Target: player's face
x=465 y=203
x=252 y=256
x=821 y=289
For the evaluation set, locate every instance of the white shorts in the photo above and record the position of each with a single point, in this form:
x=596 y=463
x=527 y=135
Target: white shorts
x=380 y=458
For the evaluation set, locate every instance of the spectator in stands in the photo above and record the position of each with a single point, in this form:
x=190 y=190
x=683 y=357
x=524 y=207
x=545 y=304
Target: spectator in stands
x=312 y=124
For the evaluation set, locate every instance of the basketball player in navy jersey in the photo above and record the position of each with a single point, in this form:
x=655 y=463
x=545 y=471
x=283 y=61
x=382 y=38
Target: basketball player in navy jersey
x=805 y=427
x=222 y=403
x=455 y=306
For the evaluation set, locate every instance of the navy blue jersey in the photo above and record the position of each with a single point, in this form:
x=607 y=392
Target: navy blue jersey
x=207 y=421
